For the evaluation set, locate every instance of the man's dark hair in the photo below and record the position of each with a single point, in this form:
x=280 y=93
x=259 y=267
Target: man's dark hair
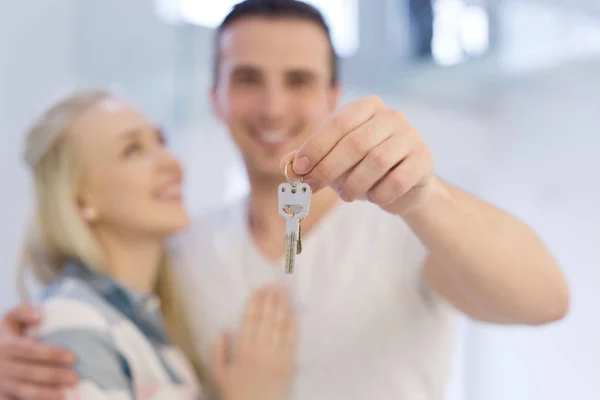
x=276 y=9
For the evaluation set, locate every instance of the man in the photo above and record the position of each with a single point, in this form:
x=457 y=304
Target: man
x=377 y=282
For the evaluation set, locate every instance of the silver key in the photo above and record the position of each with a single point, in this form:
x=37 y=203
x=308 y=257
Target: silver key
x=291 y=244
x=294 y=202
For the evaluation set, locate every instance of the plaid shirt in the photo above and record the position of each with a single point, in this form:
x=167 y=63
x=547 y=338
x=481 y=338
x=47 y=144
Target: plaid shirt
x=118 y=338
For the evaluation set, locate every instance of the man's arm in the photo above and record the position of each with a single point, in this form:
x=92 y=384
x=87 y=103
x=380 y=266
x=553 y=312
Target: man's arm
x=29 y=369
x=485 y=262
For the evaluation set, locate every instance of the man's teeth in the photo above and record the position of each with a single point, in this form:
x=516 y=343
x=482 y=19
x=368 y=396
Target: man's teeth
x=273 y=137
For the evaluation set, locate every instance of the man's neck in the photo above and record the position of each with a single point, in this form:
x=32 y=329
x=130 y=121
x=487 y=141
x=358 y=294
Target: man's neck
x=132 y=260
x=267 y=227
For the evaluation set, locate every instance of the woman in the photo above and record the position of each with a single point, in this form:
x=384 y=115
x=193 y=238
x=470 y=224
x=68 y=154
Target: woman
x=108 y=195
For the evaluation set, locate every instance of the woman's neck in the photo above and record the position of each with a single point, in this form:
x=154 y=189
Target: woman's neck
x=133 y=262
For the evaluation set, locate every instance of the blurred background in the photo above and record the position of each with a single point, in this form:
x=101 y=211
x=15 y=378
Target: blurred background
x=506 y=92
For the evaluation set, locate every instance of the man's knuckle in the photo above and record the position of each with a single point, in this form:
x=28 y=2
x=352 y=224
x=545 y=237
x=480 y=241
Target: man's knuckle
x=374 y=100
x=343 y=122
x=378 y=197
x=397 y=115
x=351 y=189
x=398 y=184
x=428 y=159
x=380 y=159
x=356 y=145
x=323 y=173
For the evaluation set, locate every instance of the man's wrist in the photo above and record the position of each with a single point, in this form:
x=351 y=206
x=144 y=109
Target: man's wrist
x=436 y=201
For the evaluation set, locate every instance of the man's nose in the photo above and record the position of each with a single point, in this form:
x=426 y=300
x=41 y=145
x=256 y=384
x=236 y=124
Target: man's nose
x=274 y=101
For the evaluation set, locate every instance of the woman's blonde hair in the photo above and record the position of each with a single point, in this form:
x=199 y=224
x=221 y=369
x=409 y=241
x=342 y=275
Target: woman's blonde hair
x=60 y=232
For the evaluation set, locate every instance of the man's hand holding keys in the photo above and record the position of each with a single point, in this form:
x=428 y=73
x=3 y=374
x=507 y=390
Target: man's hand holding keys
x=368 y=151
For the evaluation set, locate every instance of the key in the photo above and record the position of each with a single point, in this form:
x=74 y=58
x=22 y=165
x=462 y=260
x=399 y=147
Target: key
x=294 y=202
x=291 y=244
x=293 y=233
x=299 y=244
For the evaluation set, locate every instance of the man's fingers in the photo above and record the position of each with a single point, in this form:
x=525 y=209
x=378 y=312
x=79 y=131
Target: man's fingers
x=40 y=374
x=18 y=319
x=28 y=349
x=24 y=390
x=25 y=314
x=374 y=167
x=289 y=157
x=350 y=117
x=353 y=148
x=397 y=183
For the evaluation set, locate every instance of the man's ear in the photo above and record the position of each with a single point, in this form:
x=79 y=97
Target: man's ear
x=215 y=104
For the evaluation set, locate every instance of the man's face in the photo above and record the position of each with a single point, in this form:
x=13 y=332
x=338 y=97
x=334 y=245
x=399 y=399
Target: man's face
x=274 y=88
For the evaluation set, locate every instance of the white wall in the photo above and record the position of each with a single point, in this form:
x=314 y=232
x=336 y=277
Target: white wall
x=33 y=64
x=549 y=178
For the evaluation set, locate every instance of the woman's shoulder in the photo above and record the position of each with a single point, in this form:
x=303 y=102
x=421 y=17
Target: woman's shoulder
x=77 y=319
x=69 y=304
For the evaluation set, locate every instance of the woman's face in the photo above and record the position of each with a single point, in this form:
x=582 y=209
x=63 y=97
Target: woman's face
x=131 y=183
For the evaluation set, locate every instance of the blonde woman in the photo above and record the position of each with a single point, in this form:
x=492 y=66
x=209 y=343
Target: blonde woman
x=108 y=195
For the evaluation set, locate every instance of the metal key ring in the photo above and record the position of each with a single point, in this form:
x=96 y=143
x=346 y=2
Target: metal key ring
x=287 y=176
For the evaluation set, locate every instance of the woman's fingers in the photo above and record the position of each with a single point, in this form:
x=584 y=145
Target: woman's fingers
x=269 y=323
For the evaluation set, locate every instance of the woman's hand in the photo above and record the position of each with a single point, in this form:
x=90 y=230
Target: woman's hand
x=260 y=365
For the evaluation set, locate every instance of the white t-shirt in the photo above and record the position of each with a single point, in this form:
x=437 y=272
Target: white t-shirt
x=369 y=327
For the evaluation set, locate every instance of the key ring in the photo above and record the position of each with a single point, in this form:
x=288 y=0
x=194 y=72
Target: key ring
x=287 y=176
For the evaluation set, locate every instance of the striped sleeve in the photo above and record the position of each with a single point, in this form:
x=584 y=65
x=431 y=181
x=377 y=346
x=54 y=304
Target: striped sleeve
x=104 y=373
x=80 y=328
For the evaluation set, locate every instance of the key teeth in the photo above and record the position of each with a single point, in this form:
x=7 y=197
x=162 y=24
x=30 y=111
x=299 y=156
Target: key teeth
x=289 y=270
x=299 y=241
x=290 y=254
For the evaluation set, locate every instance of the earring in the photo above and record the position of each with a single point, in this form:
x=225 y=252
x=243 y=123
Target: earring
x=89 y=214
